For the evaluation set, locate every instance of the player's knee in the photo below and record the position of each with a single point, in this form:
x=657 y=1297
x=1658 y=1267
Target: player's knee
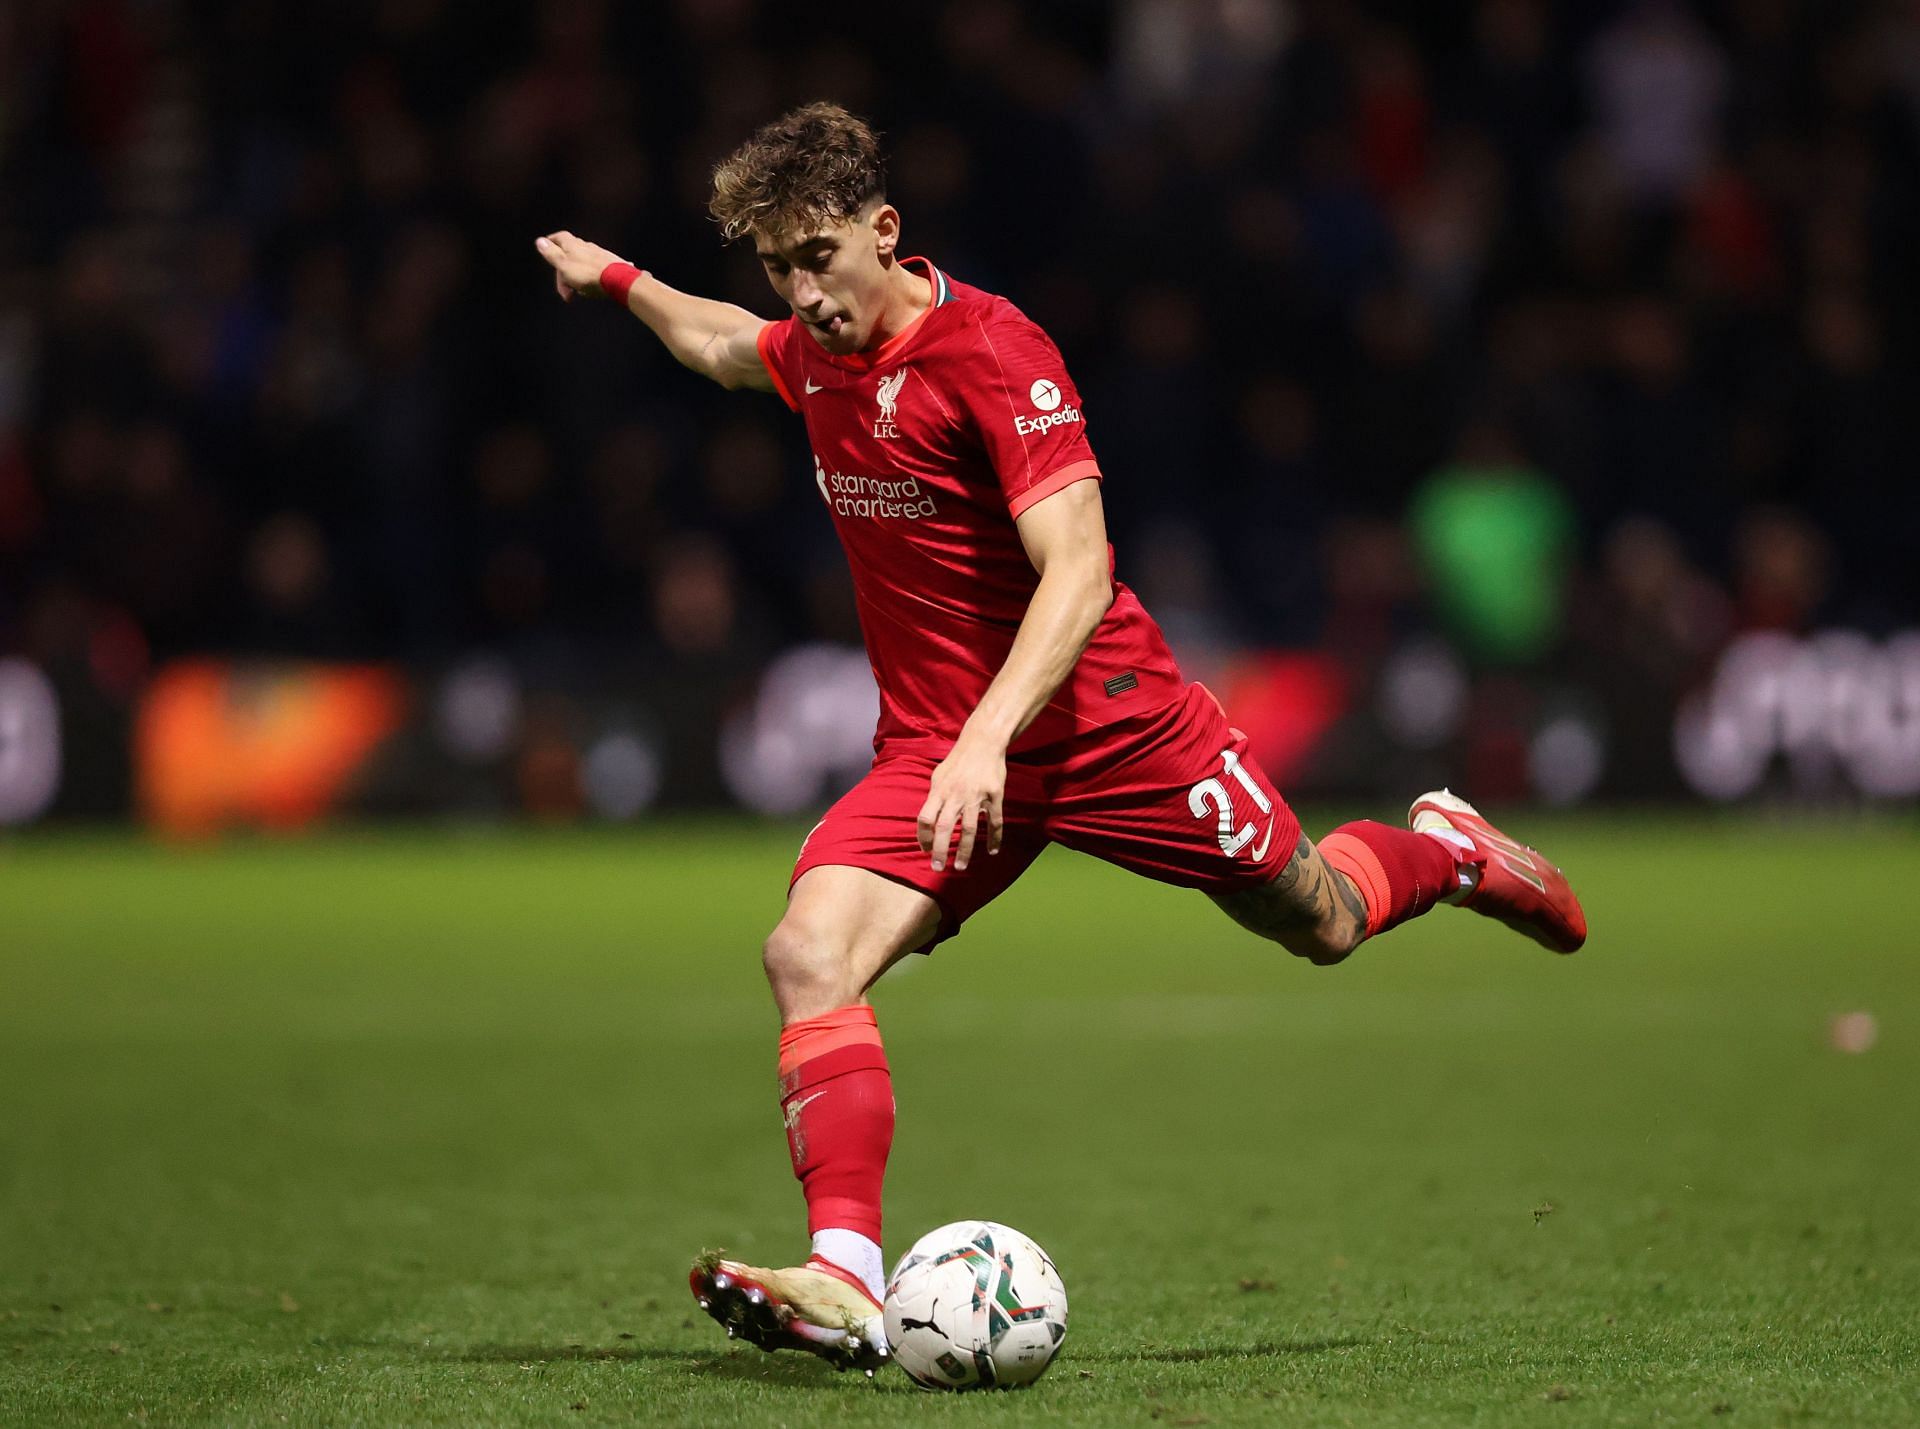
x=1323 y=944
x=809 y=973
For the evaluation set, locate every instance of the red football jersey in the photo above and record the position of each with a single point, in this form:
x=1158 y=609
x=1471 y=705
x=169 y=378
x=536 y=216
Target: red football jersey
x=925 y=449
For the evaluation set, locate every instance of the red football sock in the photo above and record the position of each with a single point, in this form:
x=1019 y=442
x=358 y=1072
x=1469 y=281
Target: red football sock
x=837 y=1094
x=1401 y=874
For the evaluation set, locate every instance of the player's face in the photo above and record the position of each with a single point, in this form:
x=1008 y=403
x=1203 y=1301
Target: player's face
x=835 y=277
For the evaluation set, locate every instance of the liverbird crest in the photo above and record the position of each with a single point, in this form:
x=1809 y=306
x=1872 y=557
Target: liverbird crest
x=889 y=393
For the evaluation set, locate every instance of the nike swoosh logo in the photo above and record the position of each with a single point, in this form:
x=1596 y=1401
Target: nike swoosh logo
x=811 y=389
x=1261 y=852
x=793 y=1111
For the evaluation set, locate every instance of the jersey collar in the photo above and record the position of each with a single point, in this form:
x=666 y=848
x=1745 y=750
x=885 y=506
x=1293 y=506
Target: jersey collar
x=895 y=345
x=942 y=290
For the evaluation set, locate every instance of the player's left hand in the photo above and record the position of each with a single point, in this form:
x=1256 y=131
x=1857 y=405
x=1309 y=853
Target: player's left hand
x=968 y=785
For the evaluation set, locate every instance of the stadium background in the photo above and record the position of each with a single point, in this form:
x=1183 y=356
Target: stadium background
x=1513 y=393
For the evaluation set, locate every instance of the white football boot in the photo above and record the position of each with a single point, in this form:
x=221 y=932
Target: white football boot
x=816 y=1307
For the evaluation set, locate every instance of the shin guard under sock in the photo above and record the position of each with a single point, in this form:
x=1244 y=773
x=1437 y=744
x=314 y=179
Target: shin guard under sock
x=837 y=1095
x=1399 y=873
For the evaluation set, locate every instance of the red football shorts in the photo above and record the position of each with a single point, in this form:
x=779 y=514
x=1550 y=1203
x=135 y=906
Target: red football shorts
x=1171 y=794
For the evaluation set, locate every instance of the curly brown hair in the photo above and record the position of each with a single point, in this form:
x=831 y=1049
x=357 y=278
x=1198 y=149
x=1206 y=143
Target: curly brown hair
x=812 y=166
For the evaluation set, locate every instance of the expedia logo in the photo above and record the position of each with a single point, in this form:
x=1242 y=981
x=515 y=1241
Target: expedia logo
x=872 y=496
x=1046 y=397
x=1032 y=426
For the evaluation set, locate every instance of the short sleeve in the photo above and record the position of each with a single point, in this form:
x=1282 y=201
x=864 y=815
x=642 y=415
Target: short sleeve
x=1027 y=413
x=776 y=351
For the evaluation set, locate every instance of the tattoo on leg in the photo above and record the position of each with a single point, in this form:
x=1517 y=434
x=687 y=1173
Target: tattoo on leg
x=1299 y=896
x=1356 y=905
x=1289 y=877
x=1306 y=897
x=1335 y=893
x=1318 y=883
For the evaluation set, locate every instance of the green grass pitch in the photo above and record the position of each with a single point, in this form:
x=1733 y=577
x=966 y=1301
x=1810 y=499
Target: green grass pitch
x=424 y=1128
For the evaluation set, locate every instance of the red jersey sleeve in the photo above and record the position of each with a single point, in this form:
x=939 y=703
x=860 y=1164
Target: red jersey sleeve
x=776 y=351
x=1026 y=412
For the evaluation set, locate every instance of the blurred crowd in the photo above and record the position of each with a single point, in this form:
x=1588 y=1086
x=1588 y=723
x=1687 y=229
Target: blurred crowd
x=1582 y=332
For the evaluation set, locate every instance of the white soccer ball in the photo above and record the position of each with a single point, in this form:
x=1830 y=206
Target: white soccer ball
x=975 y=1305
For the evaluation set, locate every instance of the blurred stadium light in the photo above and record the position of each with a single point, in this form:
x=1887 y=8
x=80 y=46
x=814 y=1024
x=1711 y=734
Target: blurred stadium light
x=1835 y=715
x=29 y=742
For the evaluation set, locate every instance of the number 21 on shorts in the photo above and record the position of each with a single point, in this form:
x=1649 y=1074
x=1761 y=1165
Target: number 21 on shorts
x=1211 y=798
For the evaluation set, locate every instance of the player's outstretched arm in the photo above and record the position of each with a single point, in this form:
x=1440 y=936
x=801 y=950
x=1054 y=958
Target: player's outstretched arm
x=717 y=340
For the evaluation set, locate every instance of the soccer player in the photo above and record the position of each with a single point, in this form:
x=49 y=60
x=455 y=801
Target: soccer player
x=1026 y=697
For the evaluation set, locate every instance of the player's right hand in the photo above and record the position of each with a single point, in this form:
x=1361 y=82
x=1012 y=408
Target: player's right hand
x=968 y=787
x=577 y=264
